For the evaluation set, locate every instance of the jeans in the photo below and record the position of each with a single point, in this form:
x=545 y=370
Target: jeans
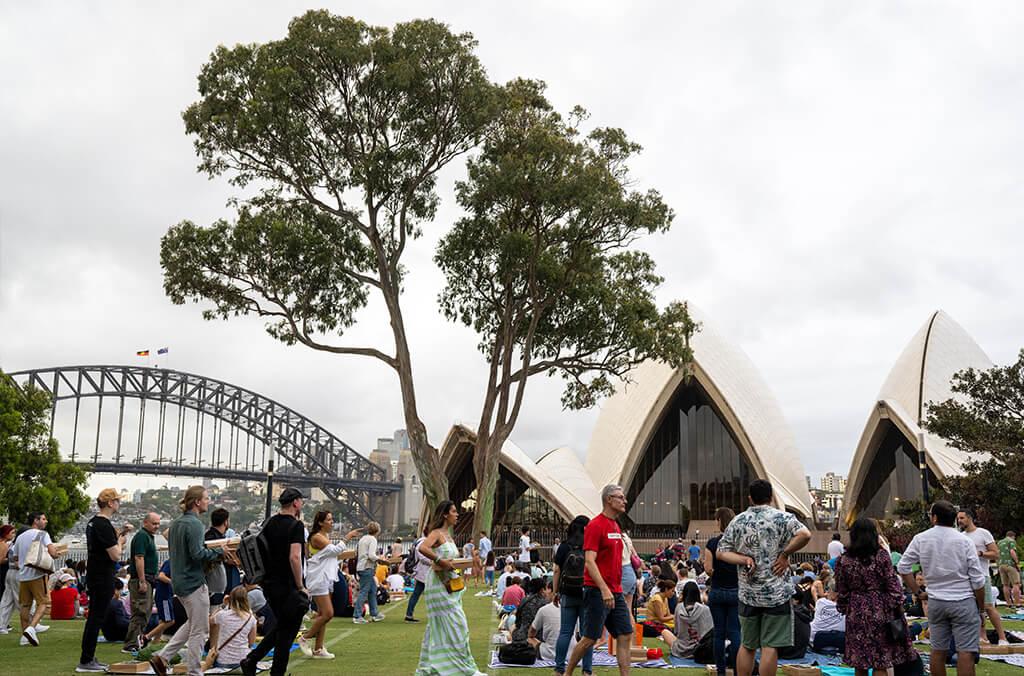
x=289 y=607
x=572 y=611
x=724 y=604
x=367 y=593
x=193 y=633
x=417 y=592
x=97 y=612
x=489 y=577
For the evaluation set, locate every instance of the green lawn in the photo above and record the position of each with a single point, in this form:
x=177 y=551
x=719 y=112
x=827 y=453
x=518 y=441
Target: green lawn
x=386 y=648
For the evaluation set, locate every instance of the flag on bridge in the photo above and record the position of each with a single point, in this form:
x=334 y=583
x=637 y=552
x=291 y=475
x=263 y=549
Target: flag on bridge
x=142 y=353
x=163 y=350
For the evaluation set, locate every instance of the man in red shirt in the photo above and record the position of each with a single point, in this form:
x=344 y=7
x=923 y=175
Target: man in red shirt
x=603 y=603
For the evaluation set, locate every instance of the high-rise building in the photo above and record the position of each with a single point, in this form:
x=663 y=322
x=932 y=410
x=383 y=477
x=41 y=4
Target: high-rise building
x=833 y=483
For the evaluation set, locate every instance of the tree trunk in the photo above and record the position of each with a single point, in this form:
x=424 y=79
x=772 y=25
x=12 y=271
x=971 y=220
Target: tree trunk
x=486 y=465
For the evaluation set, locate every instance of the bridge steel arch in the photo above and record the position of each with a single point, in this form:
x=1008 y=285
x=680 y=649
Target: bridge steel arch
x=316 y=456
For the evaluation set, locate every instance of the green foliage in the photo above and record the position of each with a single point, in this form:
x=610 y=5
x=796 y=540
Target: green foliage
x=987 y=421
x=541 y=266
x=34 y=478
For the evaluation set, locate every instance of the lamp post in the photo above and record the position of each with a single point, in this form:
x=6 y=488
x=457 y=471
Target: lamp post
x=270 y=486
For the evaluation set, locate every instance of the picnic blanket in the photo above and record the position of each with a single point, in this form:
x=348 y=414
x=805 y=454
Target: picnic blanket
x=260 y=666
x=603 y=659
x=1015 y=660
x=808 y=659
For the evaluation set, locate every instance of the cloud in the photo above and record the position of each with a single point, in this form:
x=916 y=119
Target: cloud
x=838 y=171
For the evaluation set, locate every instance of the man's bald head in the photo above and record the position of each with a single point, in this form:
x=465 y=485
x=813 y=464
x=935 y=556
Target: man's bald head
x=152 y=522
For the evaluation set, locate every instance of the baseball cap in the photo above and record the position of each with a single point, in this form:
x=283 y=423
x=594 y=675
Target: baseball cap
x=109 y=495
x=66 y=577
x=289 y=494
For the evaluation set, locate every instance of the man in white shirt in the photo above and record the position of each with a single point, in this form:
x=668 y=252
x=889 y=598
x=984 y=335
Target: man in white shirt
x=988 y=552
x=366 y=566
x=828 y=628
x=525 y=546
x=31 y=580
x=485 y=547
x=956 y=594
x=835 y=548
x=544 y=631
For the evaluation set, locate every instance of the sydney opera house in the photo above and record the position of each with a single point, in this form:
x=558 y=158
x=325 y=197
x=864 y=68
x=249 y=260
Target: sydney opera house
x=684 y=442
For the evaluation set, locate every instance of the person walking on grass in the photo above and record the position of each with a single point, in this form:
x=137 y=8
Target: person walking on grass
x=143 y=567
x=321 y=574
x=955 y=595
x=420 y=572
x=988 y=552
x=603 y=604
x=366 y=565
x=282 y=584
x=32 y=587
x=567 y=592
x=759 y=542
x=188 y=554
x=104 y=546
x=445 y=649
x=1009 y=569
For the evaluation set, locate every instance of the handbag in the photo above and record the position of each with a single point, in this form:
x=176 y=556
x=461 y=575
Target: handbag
x=38 y=556
x=636 y=562
x=896 y=630
x=454 y=584
x=517 y=652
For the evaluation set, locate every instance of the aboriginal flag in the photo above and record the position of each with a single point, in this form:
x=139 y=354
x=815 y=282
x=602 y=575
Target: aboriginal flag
x=142 y=353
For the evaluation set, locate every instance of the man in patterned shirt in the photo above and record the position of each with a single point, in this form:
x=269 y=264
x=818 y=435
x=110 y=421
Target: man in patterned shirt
x=759 y=542
x=1009 y=569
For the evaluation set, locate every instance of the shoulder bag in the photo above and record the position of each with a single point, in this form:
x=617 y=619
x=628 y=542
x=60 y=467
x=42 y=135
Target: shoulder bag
x=38 y=556
x=211 y=656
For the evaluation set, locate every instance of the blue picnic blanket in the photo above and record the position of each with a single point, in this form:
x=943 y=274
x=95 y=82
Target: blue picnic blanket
x=808 y=658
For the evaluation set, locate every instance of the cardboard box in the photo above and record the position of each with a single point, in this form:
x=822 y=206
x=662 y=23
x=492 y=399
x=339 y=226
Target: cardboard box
x=800 y=670
x=987 y=649
x=129 y=668
x=1016 y=648
x=712 y=669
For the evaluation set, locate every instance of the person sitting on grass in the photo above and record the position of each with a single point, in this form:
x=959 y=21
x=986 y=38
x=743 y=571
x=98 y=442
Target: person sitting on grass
x=659 y=617
x=232 y=631
x=693 y=637
x=115 y=622
x=514 y=593
x=63 y=598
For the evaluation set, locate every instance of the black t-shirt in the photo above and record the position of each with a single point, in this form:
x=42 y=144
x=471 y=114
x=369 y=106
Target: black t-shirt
x=281 y=532
x=561 y=553
x=723 y=575
x=100 y=536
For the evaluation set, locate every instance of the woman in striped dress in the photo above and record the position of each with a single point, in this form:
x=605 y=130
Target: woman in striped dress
x=445 y=650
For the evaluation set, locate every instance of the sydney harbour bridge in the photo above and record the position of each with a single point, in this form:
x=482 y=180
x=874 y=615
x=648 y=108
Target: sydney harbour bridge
x=168 y=423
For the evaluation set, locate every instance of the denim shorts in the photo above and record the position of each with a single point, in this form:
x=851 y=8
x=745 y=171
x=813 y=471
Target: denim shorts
x=597 y=616
x=628 y=580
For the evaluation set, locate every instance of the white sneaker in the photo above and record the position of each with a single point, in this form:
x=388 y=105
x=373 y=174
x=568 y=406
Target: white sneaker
x=377 y=618
x=40 y=628
x=1003 y=642
x=304 y=647
x=30 y=635
x=359 y=620
x=23 y=641
x=322 y=654
x=6 y=630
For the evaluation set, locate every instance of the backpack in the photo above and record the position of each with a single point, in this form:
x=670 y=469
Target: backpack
x=570 y=579
x=252 y=553
x=517 y=652
x=409 y=567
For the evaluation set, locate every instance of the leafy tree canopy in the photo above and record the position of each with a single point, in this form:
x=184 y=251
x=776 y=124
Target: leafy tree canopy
x=34 y=478
x=987 y=421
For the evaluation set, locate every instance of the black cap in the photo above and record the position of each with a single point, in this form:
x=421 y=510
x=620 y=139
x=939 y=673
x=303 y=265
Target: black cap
x=290 y=494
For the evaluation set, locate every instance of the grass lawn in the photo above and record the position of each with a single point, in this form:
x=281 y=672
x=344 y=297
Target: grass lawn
x=385 y=648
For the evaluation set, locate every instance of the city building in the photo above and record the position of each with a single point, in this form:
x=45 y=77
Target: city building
x=885 y=465
x=833 y=483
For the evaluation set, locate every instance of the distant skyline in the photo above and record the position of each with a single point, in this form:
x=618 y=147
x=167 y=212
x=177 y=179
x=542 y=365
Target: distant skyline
x=839 y=172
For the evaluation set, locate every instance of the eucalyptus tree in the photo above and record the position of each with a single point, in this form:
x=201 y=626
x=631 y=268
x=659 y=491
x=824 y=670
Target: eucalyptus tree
x=543 y=267
x=340 y=129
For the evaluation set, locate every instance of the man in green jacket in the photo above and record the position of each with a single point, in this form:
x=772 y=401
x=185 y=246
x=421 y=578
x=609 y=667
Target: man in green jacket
x=188 y=554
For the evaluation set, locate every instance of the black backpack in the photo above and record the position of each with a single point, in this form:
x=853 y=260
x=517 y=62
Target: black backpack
x=517 y=652
x=252 y=553
x=570 y=578
x=410 y=559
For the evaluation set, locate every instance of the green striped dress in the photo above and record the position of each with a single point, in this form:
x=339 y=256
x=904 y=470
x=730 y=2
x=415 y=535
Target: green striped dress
x=445 y=650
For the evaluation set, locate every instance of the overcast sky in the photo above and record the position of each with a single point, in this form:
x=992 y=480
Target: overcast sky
x=838 y=170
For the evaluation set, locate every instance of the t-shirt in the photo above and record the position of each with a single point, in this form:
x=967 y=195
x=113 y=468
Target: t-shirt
x=981 y=538
x=143 y=545
x=99 y=536
x=835 y=549
x=499 y=589
x=467 y=550
x=513 y=596
x=281 y=532
x=694 y=552
x=723 y=575
x=547 y=623
x=163 y=591
x=524 y=549
x=762 y=533
x=366 y=553
x=229 y=622
x=216 y=574
x=1007 y=545
x=62 y=603
x=657 y=607
x=602 y=535
x=485 y=547
x=827 y=617
x=21 y=547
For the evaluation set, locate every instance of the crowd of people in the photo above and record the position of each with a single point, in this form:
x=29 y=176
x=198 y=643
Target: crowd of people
x=738 y=596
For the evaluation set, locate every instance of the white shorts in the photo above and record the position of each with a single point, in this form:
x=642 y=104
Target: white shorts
x=321 y=589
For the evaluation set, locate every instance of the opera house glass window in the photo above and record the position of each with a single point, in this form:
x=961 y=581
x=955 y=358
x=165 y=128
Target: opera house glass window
x=892 y=476
x=691 y=467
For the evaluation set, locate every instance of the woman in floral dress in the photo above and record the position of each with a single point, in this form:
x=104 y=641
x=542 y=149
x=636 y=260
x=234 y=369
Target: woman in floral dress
x=870 y=596
x=445 y=650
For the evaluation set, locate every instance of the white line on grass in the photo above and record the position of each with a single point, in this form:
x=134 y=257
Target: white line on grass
x=345 y=633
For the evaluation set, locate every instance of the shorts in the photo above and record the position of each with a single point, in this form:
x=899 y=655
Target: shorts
x=33 y=590
x=597 y=616
x=628 y=580
x=770 y=627
x=1009 y=575
x=325 y=589
x=957 y=620
x=165 y=610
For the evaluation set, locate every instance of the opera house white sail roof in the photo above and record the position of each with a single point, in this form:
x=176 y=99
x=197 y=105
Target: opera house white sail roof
x=921 y=374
